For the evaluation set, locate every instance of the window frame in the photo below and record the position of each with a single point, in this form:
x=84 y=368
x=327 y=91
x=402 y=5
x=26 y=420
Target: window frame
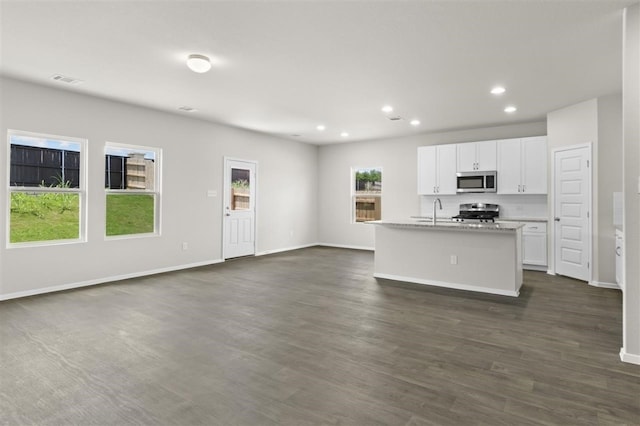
x=81 y=191
x=354 y=171
x=156 y=192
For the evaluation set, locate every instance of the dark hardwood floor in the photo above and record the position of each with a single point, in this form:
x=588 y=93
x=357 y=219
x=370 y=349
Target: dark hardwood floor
x=309 y=337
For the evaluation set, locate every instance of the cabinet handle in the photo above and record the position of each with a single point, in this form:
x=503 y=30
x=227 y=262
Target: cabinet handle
x=618 y=251
x=434 y=189
x=533 y=227
x=523 y=188
x=519 y=186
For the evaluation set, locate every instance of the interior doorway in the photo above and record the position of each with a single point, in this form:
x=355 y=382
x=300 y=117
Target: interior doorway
x=572 y=211
x=239 y=215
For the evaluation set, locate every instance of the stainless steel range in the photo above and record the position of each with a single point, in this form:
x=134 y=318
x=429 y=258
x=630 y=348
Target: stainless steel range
x=477 y=212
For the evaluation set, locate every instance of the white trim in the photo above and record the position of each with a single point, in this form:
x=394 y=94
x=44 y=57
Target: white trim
x=602 y=284
x=105 y=280
x=449 y=285
x=266 y=252
x=552 y=228
x=225 y=198
x=541 y=268
x=346 y=246
x=82 y=190
x=550 y=272
x=630 y=358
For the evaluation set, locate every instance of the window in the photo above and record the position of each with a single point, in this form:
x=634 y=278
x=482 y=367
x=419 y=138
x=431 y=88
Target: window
x=367 y=194
x=46 y=188
x=131 y=180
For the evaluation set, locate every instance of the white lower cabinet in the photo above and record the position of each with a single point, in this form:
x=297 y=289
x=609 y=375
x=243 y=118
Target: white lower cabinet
x=534 y=245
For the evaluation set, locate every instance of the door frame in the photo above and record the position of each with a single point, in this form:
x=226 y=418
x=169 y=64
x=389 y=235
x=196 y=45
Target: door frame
x=225 y=194
x=552 y=209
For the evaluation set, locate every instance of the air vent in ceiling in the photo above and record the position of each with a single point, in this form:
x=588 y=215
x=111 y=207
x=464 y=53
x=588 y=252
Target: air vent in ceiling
x=394 y=118
x=64 y=79
x=187 y=109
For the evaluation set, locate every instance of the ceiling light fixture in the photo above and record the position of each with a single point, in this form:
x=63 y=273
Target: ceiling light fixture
x=387 y=108
x=510 y=109
x=198 y=63
x=344 y=134
x=321 y=127
x=415 y=122
x=498 y=90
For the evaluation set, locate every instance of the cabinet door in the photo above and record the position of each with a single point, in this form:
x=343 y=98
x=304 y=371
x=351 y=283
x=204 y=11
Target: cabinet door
x=509 y=171
x=427 y=161
x=534 y=165
x=486 y=155
x=534 y=249
x=447 y=169
x=466 y=156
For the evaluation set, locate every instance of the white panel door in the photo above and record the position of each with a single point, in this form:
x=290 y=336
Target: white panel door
x=572 y=204
x=239 y=208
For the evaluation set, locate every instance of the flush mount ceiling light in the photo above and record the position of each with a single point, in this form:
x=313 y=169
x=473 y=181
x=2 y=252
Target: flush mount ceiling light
x=498 y=90
x=387 y=108
x=344 y=134
x=198 y=63
x=415 y=122
x=321 y=127
x=510 y=109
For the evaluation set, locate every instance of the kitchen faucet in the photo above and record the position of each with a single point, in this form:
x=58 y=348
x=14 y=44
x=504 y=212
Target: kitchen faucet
x=433 y=218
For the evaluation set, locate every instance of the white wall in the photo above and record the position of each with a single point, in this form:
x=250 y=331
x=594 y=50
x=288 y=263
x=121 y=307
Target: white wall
x=609 y=181
x=398 y=158
x=193 y=152
x=631 y=135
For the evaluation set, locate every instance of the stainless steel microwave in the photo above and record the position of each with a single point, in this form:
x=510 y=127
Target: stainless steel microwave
x=477 y=181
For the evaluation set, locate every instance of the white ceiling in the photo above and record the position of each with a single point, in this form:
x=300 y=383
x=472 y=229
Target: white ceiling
x=284 y=67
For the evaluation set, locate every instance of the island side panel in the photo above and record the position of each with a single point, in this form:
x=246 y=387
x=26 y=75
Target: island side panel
x=486 y=261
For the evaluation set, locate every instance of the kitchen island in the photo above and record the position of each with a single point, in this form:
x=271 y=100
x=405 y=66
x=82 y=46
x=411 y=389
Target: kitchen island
x=483 y=257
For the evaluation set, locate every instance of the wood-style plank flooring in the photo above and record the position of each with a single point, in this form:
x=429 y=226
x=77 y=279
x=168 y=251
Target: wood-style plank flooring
x=309 y=337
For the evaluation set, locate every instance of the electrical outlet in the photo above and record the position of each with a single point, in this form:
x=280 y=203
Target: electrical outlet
x=454 y=259
x=185 y=246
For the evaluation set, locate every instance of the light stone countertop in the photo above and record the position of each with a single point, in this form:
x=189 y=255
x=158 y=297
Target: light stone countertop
x=450 y=226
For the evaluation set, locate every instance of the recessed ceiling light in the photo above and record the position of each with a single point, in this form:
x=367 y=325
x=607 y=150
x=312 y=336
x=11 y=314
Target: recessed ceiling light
x=415 y=122
x=387 y=108
x=344 y=134
x=198 y=63
x=510 y=109
x=498 y=90
x=321 y=127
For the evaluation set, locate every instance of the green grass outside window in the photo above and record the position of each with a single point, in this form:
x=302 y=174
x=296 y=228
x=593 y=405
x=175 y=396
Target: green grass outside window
x=130 y=214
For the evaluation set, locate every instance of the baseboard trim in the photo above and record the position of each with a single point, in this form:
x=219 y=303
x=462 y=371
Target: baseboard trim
x=347 y=246
x=630 y=358
x=455 y=286
x=604 y=285
x=550 y=272
x=534 y=268
x=104 y=280
x=266 y=252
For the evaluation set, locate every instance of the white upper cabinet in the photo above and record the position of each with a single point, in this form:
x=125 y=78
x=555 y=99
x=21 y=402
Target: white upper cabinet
x=534 y=165
x=437 y=169
x=474 y=156
x=522 y=166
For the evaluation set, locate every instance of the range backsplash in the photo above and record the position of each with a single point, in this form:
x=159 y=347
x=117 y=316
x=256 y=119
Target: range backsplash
x=511 y=206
